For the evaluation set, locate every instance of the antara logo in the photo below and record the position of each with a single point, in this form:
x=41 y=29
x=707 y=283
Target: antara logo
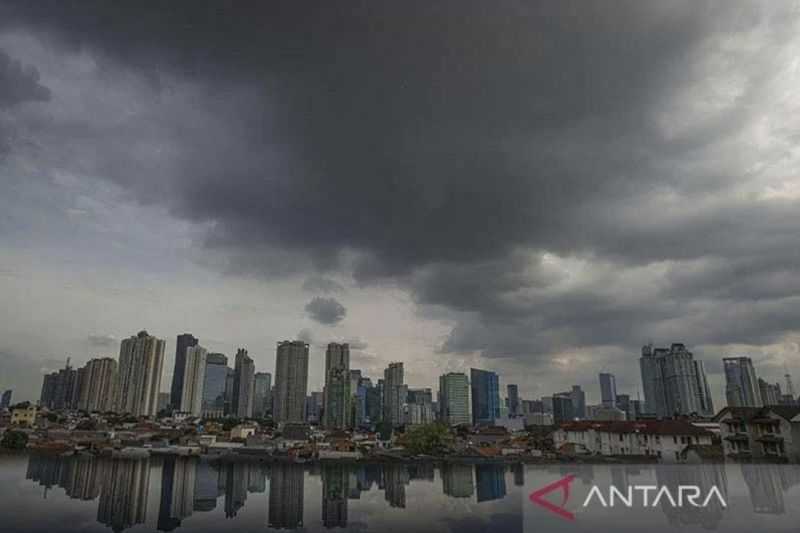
x=644 y=495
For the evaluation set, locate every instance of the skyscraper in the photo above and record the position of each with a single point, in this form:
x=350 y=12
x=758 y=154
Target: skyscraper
x=770 y=392
x=263 y=388
x=563 y=410
x=513 y=399
x=485 y=389
x=673 y=382
x=243 y=385
x=214 y=385
x=194 y=375
x=741 y=382
x=420 y=406
x=454 y=403
x=291 y=381
x=578 y=397
x=5 y=402
x=608 y=389
x=183 y=342
x=61 y=389
x=394 y=394
x=98 y=387
x=336 y=412
x=141 y=359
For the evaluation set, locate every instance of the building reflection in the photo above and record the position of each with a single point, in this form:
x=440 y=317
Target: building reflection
x=286 y=491
x=704 y=476
x=188 y=485
x=123 y=497
x=458 y=481
x=490 y=481
x=177 y=491
x=767 y=485
x=395 y=479
x=335 y=489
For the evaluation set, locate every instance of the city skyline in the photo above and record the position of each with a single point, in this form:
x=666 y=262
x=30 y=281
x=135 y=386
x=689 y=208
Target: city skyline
x=450 y=188
x=673 y=381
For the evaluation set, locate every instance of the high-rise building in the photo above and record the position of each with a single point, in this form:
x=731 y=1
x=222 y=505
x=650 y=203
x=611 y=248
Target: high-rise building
x=243 y=385
x=194 y=375
x=358 y=398
x=61 y=389
x=214 y=385
x=706 y=402
x=374 y=403
x=183 y=342
x=513 y=400
x=674 y=384
x=314 y=407
x=98 y=387
x=770 y=392
x=454 y=402
x=337 y=395
x=789 y=384
x=608 y=389
x=578 y=397
x=291 y=381
x=5 y=402
x=141 y=360
x=485 y=393
x=741 y=382
x=419 y=407
x=263 y=391
x=394 y=394
x=563 y=410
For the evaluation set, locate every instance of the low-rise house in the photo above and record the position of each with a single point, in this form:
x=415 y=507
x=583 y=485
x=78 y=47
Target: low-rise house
x=662 y=439
x=489 y=436
x=23 y=414
x=242 y=431
x=760 y=432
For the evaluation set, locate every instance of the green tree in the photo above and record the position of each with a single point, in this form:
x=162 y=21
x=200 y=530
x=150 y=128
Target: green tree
x=14 y=440
x=430 y=439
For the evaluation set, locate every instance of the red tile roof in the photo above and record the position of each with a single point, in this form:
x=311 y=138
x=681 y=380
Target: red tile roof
x=649 y=427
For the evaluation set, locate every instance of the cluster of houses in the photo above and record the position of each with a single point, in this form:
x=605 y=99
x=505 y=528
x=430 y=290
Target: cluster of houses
x=735 y=433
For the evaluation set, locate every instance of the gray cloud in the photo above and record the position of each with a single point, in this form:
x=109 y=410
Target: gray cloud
x=19 y=83
x=544 y=177
x=322 y=284
x=327 y=311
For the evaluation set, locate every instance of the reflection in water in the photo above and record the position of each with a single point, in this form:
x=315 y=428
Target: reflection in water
x=704 y=476
x=123 y=497
x=490 y=481
x=188 y=486
x=767 y=484
x=286 y=496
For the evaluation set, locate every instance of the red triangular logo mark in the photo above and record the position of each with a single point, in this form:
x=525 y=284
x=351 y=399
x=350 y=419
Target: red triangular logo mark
x=537 y=497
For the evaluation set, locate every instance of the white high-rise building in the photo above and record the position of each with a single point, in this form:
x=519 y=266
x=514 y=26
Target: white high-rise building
x=194 y=375
x=98 y=387
x=454 y=401
x=243 y=385
x=336 y=395
x=674 y=383
x=141 y=361
x=394 y=395
x=291 y=382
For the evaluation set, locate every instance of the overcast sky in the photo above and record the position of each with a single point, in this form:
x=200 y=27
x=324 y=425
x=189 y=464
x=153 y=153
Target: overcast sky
x=533 y=189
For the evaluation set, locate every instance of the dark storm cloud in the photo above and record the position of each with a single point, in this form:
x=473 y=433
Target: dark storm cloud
x=19 y=83
x=326 y=311
x=452 y=148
